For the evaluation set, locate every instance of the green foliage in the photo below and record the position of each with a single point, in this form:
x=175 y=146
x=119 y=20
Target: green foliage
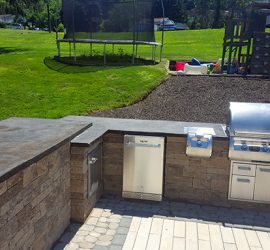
x=60 y=27
x=2 y=6
x=200 y=13
x=2 y=25
x=32 y=12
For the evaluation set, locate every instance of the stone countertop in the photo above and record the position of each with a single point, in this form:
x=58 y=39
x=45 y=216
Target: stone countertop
x=151 y=127
x=26 y=140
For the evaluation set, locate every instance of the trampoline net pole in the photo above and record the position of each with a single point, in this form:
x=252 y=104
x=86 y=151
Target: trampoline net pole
x=58 y=48
x=134 y=31
x=162 y=36
x=75 y=57
x=104 y=54
x=73 y=31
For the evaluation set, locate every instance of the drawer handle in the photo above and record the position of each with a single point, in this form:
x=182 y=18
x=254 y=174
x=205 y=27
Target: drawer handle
x=244 y=168
x=265 y=170
x=243 y=180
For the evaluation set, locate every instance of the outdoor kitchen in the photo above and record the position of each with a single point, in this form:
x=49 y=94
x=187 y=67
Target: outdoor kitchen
x=64 y=166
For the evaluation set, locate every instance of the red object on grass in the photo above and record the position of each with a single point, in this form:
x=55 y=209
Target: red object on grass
x=180 y=66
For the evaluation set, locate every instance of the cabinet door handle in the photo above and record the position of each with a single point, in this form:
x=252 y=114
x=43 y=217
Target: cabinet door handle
x=244 y=168
x=93 y=160
x=243 y=180
x=265 y=170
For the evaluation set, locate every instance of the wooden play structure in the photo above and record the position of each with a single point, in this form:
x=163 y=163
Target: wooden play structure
x=246 y=43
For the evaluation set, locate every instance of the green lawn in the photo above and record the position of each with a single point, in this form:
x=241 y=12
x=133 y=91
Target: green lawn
x=206 y=45
x=29 y=88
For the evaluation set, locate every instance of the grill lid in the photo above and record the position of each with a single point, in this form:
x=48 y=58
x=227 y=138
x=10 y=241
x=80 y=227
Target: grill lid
x=249 y=119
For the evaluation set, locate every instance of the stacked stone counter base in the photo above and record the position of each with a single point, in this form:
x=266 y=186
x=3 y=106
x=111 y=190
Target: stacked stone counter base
x=81 y=204
x=35 y=203
x=197 y=180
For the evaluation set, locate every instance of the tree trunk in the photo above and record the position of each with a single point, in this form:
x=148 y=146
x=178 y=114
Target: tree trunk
x=216 y=23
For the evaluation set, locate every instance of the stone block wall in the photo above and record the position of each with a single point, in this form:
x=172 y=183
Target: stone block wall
x=81 y=204
x=113 y=156
x=201 y=180
x=197 y=179
x=35 y=203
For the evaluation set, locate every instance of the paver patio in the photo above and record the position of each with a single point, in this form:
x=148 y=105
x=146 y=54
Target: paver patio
x=121 y=224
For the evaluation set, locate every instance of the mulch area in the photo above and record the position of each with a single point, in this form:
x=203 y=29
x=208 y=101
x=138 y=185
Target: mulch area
x=195 y=99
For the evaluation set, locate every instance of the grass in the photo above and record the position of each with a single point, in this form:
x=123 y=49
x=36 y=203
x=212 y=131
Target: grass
x=29 y=88
x=34 y=85
x=206 y=45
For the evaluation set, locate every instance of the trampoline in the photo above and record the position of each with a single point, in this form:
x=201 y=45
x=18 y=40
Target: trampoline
x=114 y=22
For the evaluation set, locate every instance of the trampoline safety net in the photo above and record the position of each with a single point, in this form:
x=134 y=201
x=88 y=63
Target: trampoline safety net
x=109 y=19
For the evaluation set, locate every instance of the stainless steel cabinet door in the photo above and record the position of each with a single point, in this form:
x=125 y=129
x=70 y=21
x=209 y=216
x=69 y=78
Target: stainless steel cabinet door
x=262 y=185
x=94 y=170
x=143 y=165
x=242 y=187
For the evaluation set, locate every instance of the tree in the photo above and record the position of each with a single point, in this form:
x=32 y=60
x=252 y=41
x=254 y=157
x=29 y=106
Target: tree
x=3 y=5
x=216 y=23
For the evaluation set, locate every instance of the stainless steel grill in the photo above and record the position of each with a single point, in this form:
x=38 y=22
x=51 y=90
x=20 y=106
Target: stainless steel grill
x=249 y=130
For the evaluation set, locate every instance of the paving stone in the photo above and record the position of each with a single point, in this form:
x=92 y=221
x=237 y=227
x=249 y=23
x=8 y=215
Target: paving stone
x=101 y=224
x=100 y=248
x=106 y=214
x=86 y=227
x=100 y=230
x=95 y=234
x=113 y=225
x=72 y=246
x=77 y=239
x=67 y=237
x=60 y=246
x=91 y=221
x=115 y=247
x=115 y=216
x=82 y=233
x=122 y=230
x=111 y=232
x=96 y=212
x=119 y=239
x=86 y=245
x=90 y=238
x=102 y=219
x=103 y=243
x=127 y=217
x=252 y=238
x=105 y=238
x=125 y=222
x=113 y=220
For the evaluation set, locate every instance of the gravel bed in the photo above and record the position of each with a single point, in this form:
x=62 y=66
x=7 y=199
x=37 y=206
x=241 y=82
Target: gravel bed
x=194 y=99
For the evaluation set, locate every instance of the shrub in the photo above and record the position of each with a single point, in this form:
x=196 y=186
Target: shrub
x=2 y=25
x=61 y=27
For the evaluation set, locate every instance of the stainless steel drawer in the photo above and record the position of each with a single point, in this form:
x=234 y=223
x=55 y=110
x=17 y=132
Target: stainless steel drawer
x=242 y=187
x=245 y=169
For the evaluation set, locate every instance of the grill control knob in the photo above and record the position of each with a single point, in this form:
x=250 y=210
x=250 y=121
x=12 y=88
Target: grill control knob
x=199 y=143
x=244 y=146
